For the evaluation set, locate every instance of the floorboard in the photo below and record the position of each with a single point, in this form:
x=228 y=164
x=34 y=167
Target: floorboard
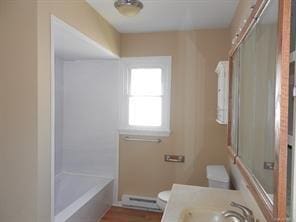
x=119 y=214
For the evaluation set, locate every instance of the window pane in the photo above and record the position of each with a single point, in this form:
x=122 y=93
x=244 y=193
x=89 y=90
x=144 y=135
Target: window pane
x=146 y=82
x=145 y=111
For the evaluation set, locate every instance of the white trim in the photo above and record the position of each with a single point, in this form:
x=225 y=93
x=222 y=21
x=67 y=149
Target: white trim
x=52 y=117
x=220 y=122
x=116 y=173
x=164 y=62
x=117 y=204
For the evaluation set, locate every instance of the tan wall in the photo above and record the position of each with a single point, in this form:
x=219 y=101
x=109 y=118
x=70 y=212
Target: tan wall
x=26 y=115
x=195 y=132
x=18 y=111
x=25 y=99
x=243 y=11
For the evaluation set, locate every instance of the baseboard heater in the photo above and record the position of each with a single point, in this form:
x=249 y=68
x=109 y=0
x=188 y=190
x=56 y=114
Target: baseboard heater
x=141 y=203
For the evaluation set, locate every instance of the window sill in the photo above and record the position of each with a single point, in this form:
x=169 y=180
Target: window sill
x=134 y=132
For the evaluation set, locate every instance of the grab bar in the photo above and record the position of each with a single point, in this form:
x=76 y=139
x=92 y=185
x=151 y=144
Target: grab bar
x=142 y=140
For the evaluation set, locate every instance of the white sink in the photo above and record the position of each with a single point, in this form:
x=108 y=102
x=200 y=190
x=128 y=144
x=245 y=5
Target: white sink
x=203 y=215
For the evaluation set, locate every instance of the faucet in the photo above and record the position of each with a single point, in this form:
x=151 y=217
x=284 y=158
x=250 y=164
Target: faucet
x=246 y=216
x=233 y=214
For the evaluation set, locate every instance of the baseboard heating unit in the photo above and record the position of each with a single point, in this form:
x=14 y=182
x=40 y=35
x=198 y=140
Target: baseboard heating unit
x=141 y=203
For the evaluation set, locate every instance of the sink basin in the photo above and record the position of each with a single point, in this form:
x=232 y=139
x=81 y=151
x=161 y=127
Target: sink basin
x=203 y=215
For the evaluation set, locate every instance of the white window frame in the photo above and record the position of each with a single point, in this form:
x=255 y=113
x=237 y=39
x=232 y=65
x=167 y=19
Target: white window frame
x=126 y=64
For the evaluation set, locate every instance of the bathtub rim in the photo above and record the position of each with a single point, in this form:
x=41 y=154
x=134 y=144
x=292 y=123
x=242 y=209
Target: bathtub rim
x=71 y=209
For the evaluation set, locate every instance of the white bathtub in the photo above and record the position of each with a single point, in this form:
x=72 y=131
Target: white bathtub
x=80 y=198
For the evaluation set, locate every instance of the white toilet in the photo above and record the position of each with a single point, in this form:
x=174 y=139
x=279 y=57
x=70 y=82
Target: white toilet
x=217 y=178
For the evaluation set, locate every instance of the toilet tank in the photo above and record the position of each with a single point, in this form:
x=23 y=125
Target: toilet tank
x=218 y=177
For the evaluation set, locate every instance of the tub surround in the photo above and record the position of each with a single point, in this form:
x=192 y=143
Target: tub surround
x=89 y=130
x=59 y=108
x=82 y=17
x=85 y=139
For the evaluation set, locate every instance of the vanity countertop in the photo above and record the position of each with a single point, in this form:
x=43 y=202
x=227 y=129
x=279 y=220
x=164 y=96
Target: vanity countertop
x=184 y=196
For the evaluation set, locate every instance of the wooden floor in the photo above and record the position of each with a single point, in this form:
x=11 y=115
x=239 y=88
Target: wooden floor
x=118 y=214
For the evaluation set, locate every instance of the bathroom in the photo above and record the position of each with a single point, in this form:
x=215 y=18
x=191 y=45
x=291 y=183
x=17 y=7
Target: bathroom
x=88 y=148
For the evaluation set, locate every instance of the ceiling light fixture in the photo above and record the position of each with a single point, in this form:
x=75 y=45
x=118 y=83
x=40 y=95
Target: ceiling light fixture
x=128 y=7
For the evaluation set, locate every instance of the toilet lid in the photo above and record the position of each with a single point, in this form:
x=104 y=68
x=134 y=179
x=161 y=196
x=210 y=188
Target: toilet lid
x=217 y=173
x=164 y=195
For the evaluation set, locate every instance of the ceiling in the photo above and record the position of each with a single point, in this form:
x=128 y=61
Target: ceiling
x=70 y=44
x=170 y=15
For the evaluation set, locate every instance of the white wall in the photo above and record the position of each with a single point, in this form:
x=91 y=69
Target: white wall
x=58 y=137
x=90 y=117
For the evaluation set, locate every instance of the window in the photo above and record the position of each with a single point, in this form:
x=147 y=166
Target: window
x=145 y=107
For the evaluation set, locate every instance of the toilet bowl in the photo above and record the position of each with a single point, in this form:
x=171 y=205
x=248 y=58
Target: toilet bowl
x=217 y=178
x=163 y=198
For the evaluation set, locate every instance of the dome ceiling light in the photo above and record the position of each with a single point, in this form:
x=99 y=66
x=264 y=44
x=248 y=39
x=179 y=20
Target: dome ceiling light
x=128 y=7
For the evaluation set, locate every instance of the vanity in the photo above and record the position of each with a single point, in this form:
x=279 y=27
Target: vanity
x=194 y=203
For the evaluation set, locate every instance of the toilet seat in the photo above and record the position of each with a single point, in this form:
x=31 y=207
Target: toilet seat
x=163 y=198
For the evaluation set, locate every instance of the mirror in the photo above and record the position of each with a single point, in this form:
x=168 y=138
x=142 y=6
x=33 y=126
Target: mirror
x=253 y=98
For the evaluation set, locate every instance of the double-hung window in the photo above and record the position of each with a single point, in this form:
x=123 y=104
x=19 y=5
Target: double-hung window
x=145 y=106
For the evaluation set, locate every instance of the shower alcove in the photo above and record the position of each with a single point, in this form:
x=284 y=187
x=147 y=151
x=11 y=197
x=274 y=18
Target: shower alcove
x=84 y=126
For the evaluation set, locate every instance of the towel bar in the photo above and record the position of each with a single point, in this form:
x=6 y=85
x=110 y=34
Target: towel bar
x=142 y=140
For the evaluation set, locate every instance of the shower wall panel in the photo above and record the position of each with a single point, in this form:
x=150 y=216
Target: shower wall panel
x=90 y=117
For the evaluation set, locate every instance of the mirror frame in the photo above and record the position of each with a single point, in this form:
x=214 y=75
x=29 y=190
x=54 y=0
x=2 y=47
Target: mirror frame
x=276 y=210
